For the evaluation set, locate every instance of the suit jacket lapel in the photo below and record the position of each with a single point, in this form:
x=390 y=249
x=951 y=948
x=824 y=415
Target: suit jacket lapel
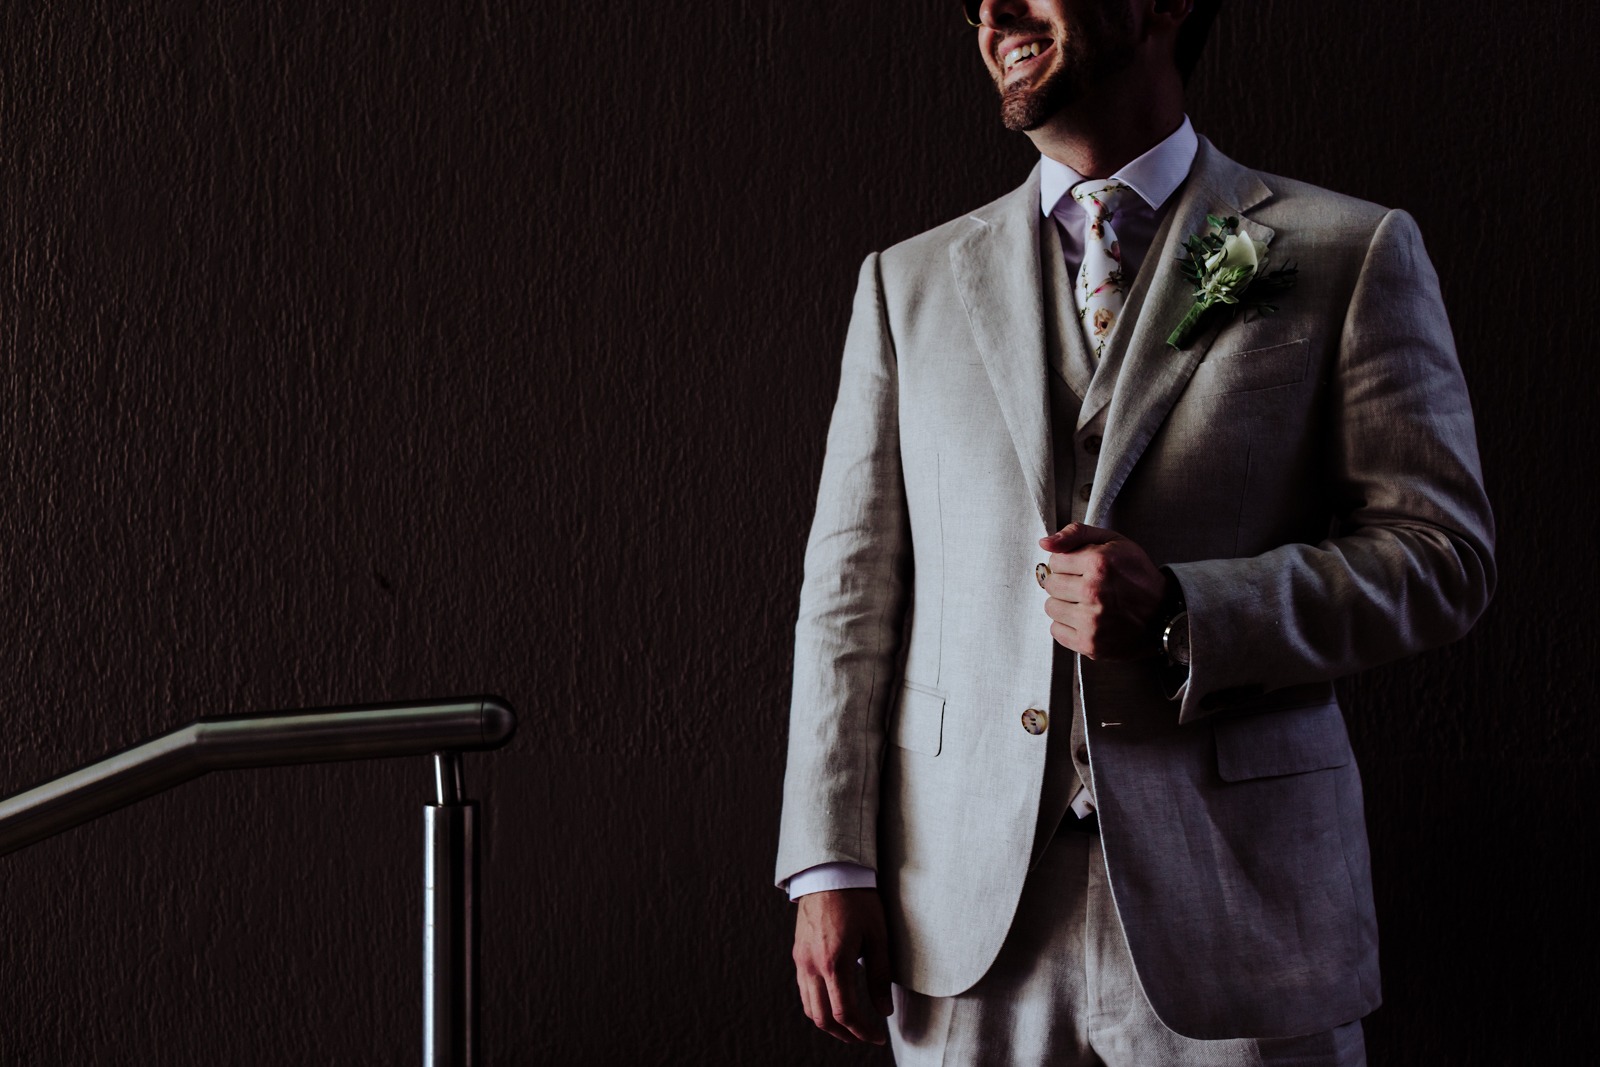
x=1141 y=377
x=996 y=266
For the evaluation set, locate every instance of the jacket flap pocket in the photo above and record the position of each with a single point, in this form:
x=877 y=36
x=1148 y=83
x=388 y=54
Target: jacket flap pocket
x=919 y=720
x=1288 y=741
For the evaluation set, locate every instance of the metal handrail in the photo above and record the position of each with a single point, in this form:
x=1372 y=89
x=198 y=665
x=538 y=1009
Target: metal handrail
x=266 y=739
x=440 y=728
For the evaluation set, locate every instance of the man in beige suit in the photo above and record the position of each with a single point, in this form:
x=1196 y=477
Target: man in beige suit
x=1065 y=758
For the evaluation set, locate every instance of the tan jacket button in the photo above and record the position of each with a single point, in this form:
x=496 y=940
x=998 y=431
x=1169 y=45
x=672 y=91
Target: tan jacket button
x=1035 y=721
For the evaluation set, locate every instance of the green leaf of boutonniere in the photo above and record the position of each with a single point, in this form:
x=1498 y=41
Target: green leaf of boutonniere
x=1228 y=270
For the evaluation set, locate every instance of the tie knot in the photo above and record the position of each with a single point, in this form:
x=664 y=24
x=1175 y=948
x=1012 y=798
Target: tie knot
x=1099 y=197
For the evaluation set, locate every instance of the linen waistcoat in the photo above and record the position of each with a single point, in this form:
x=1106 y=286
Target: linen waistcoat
x=1075 y=378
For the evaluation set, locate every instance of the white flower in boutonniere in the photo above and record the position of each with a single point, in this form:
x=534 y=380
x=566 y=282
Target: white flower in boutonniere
x=1228 y=270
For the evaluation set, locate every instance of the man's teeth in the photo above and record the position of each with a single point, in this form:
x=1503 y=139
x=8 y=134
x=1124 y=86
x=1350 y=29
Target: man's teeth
x=1027 y=51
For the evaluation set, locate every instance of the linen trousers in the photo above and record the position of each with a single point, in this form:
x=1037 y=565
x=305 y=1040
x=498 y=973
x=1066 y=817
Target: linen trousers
x=1063 y=992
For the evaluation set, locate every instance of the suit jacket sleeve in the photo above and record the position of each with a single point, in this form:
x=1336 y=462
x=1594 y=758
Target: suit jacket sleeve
x=1409 y=563
x=852 y=604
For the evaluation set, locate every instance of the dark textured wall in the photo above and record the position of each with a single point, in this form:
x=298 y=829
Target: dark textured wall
x=358 y=350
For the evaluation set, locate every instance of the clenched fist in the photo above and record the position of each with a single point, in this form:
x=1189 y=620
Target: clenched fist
x=1105 y=593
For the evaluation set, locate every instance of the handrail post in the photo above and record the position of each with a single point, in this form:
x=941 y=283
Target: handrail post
x=445 y=728
x=450 y=933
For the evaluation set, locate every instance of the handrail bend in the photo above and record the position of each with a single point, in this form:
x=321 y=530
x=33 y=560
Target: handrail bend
x=265 y=739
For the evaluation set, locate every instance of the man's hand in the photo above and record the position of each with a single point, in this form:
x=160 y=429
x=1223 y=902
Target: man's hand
x=1105 y=593
x=833 y=930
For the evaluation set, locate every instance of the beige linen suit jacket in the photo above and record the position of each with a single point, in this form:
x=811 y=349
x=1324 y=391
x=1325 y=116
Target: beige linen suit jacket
x=1312 y=480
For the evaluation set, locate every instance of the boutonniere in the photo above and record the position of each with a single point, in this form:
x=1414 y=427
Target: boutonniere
x=1228 y=271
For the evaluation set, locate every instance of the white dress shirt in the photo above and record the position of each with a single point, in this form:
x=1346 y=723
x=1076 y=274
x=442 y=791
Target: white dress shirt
x=1154 y=176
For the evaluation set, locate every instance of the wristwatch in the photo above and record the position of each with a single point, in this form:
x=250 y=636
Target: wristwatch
x=1175 y=639
x=1175 y=624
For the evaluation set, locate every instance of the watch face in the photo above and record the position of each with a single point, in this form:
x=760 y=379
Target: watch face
x=1177 y=639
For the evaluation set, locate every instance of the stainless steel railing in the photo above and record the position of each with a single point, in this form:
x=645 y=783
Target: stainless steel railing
x=441 y=728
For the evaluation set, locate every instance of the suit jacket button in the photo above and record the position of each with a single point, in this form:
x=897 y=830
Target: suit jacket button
x=1091 y=444
x=1085 y=490
x=1035 y=721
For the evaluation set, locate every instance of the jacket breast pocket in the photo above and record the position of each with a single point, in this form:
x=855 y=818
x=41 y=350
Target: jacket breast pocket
x=1291 y=740
x=918 y=724
x=1255 y=368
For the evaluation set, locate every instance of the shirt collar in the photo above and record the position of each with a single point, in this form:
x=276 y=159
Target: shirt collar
x=1155 y=175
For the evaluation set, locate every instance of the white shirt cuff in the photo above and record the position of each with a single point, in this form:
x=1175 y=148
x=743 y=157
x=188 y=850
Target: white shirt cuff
x=826 y=876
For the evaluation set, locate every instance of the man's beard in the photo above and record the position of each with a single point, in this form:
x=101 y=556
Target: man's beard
x=1027 y=107
x=1089 y=55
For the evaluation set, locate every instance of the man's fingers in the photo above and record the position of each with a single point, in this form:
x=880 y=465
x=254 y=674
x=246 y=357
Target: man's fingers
x=1090 y=561
x=1068 y=587
x=1077 y=614
x=845 y=994
x=1061 y=615
x=1076 y=535
x=819 y=1009
x=840 y=1016
x=808 y=997
x=1067 y=638
x=1057 y=609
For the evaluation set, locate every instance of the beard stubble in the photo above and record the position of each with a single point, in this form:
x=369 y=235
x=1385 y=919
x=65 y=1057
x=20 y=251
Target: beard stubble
x=1101 y=46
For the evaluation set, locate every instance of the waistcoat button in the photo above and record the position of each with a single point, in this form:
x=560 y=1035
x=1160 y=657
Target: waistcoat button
x=1035 y=721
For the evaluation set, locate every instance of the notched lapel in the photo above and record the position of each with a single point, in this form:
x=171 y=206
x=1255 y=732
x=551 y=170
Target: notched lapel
x=996 y=267
x=1153 y=375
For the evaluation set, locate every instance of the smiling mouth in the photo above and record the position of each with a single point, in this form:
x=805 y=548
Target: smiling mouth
x=1024 y=55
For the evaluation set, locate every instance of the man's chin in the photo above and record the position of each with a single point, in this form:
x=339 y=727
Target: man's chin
x=1022 y=110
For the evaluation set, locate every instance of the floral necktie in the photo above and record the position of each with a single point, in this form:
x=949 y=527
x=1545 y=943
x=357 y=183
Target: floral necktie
x=1100 y=287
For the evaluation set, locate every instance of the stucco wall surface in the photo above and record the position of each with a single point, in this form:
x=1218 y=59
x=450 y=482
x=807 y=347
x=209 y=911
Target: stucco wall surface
x=360 y=351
